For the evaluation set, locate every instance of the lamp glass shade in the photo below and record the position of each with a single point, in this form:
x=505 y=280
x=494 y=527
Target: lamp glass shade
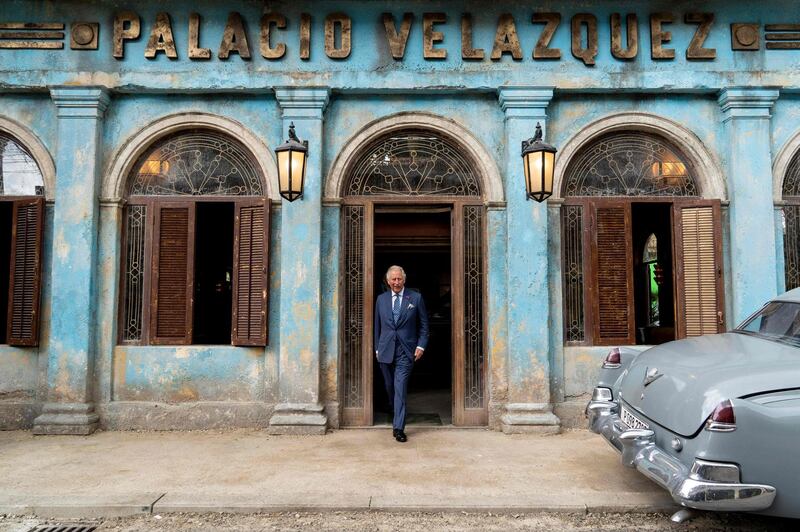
x=291 y=172
x=539 y=169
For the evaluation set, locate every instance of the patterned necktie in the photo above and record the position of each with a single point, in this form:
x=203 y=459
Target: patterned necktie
x=396 y=307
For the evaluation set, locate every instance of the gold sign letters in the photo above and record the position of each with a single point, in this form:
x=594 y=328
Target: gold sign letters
x=338 y=36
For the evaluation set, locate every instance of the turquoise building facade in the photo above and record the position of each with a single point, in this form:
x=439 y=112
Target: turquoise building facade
x=676 y=126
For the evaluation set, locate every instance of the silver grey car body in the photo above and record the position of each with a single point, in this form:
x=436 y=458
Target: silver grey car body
x=658 y=407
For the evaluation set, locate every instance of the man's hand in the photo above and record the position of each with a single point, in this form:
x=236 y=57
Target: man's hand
x=418 y=354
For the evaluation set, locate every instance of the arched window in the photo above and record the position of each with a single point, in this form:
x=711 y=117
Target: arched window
x=630 y=200
x=21 y=226
x=196 y=236
x=791 y=219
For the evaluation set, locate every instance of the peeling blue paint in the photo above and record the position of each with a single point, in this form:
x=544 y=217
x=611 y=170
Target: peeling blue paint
x=78 y=359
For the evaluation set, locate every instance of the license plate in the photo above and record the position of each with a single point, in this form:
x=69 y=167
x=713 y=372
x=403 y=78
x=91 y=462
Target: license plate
x=632 y=420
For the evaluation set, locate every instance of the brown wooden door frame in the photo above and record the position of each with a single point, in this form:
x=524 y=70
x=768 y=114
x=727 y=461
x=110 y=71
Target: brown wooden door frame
x=364 y=416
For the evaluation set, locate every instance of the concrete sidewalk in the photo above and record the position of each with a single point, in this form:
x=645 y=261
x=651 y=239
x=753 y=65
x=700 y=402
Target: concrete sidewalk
x=122 y=473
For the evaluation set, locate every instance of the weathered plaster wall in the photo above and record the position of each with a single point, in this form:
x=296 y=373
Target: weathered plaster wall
x=129 y=113
x=348 y=114
x=188 y=373
x=160 y=387
x=370 y=65
x=699 y=113
x=35 y=111
x=329 y=344
x=785 y=120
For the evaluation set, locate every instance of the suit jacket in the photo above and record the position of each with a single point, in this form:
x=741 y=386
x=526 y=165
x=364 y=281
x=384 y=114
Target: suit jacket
x=410 y=331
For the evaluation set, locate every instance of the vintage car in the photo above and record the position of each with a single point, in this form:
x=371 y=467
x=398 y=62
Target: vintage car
x=714 y=420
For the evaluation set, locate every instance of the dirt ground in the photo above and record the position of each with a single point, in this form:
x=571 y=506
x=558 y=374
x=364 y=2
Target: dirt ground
x=388 y=521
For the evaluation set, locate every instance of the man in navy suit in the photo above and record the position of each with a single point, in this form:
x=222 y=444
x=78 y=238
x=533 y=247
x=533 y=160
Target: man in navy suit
x=401 y=335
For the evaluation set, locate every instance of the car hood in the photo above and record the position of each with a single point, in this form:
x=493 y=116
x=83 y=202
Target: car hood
x=697 y=374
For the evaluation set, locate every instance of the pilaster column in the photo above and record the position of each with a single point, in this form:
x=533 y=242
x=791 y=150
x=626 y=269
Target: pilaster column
x=301 y=291
x=529 y=408
x=746 y=119
x=70 y=409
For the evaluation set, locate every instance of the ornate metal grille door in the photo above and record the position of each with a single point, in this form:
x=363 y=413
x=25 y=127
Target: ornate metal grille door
x=356 y=407
x=470 y=387
x=134 y=274
x=572 y=238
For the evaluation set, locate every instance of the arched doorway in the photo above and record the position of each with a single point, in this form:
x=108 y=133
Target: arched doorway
x=642 y=257
x=413 y=197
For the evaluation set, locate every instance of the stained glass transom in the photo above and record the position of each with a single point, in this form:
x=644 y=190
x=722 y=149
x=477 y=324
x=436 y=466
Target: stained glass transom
x=19 y=173
x=197 y=163
x=413 y=163
x=629 y=164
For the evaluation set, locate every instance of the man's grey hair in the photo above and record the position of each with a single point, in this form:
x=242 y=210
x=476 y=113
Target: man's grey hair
x=395 y=269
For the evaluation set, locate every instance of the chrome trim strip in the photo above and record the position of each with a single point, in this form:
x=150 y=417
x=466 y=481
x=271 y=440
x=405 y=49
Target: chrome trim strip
x=719 y=426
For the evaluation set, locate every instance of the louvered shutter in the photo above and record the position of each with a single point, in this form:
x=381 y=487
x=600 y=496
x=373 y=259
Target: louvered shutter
x=614 y=316
x=171 y=289
x=699 y=268
x=250 y=261
x=25 y=278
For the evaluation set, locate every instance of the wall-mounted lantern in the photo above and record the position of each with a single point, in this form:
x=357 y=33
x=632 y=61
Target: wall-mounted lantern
x=292 y=156
x=539 y=160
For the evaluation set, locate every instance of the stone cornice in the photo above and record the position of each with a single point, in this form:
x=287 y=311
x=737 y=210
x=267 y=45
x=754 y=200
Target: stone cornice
x=301 y=103
x=747 y=102
x=80 y=102
x=525 y=102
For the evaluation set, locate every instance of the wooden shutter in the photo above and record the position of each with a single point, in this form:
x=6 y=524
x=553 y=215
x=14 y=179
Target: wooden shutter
x=171 y=291
x=250 y=264
x=698 y=260
x=25 y=278
x=612 y=261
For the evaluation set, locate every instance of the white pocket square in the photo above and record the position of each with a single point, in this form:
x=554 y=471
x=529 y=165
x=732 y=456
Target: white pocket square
x=410 y=306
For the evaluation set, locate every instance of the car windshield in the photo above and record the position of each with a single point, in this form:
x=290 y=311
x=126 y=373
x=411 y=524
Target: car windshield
x=778 y=320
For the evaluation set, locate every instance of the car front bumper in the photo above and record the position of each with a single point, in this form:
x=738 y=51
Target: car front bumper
x=688 y=487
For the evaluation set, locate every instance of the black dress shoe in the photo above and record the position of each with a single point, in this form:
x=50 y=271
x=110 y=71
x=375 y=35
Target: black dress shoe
x=400 y=436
